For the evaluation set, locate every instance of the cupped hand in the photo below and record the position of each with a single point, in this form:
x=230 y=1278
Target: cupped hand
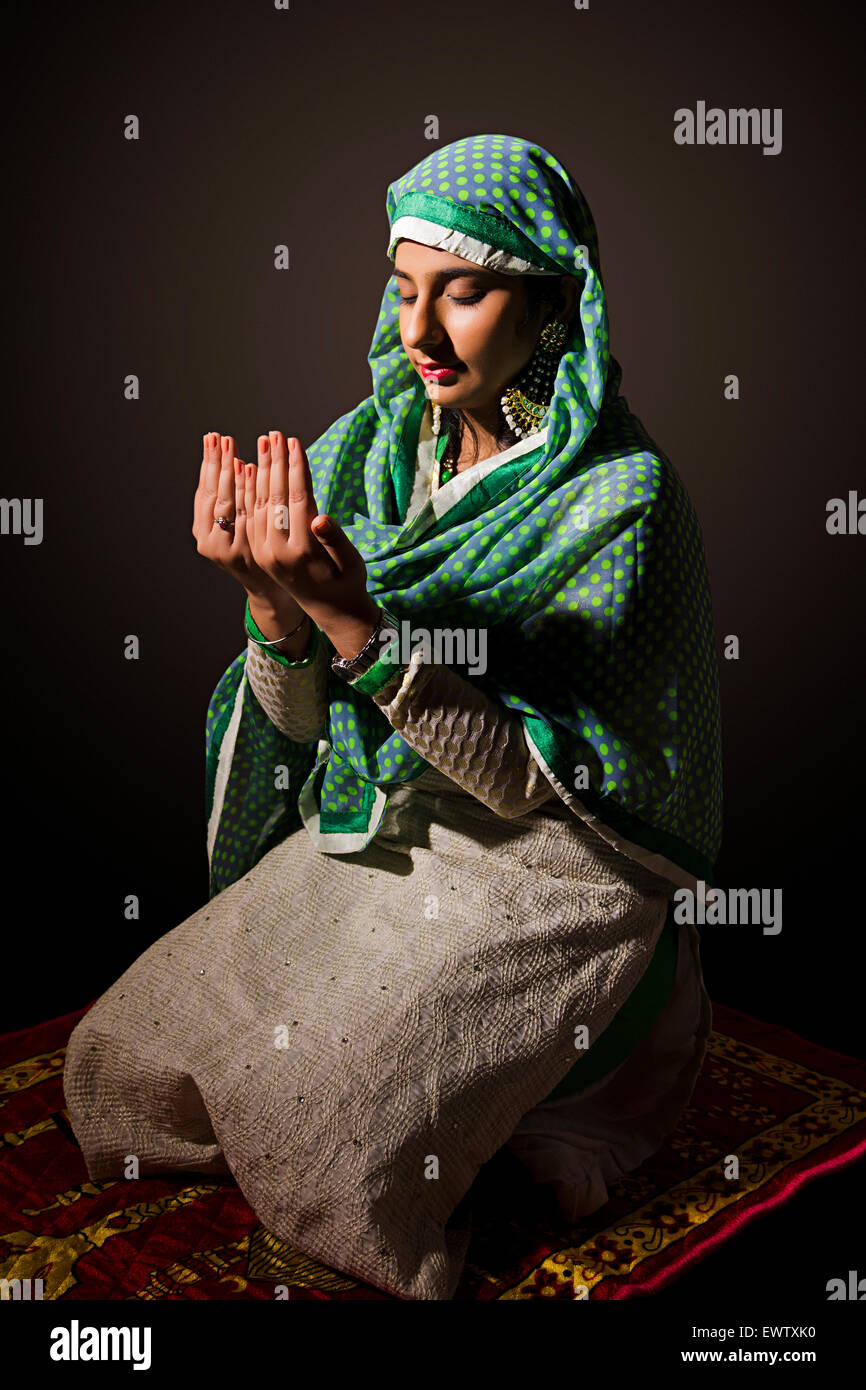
x=226 y=488
x=304 y=552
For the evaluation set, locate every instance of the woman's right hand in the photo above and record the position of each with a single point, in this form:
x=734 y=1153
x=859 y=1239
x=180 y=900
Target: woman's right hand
x=227 y=488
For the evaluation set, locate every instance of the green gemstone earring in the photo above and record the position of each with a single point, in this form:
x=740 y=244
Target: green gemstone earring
x=524 y=404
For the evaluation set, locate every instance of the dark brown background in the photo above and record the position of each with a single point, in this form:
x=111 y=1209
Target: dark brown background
x=155 y=257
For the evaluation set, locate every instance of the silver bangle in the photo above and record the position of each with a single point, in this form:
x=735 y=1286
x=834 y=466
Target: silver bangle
x=275 y=642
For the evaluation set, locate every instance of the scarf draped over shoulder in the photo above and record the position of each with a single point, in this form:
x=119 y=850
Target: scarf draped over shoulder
x=581 y=559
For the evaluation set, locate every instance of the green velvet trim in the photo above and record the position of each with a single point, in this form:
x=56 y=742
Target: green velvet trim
x=491 y=228
x=380 y=674
x=607 y=810
x=217 y=736
x=405 y=462
x=631 y=1025
x=254 y=631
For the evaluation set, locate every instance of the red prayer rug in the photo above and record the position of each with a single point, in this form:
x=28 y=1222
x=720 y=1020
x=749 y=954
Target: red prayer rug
x=790 y=1110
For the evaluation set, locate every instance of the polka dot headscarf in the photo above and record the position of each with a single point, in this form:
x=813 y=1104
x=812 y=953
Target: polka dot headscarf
x=583 y=560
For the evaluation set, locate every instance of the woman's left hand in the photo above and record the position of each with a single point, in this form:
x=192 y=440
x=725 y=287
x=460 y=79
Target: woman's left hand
x=308 y=554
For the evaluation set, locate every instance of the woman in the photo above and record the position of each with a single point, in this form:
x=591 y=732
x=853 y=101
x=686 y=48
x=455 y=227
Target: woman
x=469 y=752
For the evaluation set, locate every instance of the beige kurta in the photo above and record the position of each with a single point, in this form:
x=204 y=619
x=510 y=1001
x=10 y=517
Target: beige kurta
x=353 y=1036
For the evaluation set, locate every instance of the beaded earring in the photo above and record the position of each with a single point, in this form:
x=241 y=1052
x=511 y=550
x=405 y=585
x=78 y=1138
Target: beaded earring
x=524 y=404
x=524 y=409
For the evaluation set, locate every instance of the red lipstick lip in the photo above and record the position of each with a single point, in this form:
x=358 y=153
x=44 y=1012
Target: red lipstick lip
x=434 y=368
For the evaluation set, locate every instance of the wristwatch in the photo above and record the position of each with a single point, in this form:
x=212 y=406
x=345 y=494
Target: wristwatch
x=380 y=639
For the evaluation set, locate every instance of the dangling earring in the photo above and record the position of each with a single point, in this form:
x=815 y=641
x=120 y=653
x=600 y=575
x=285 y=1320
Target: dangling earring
x=437 y=417
x=524 y=405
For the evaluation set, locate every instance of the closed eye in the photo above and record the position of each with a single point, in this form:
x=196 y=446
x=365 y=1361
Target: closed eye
x=470 y=299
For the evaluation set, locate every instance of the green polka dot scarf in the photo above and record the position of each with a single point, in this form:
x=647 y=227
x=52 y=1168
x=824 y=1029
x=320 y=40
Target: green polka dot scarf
x=581 y=558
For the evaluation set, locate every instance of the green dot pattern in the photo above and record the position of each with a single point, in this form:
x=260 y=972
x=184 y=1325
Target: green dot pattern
x=587 y=571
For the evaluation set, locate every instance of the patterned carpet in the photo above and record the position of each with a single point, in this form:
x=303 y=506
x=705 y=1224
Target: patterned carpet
x=789 y=1111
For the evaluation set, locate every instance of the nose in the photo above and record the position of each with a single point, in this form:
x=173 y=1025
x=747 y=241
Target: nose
x=422 y=330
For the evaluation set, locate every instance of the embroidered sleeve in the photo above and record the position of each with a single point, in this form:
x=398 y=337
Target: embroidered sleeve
x=294 y=695
x=465 y=734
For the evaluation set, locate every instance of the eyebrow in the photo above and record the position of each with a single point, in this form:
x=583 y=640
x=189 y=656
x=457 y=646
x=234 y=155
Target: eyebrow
x=455 y=274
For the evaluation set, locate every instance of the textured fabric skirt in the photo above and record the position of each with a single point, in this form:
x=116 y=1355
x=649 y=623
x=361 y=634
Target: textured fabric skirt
x=353 y=1036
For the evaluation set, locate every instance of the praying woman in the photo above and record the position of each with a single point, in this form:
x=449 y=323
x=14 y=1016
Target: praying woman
x=440 y=916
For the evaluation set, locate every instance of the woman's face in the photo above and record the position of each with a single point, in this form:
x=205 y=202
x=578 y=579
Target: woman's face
x=456 y=314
